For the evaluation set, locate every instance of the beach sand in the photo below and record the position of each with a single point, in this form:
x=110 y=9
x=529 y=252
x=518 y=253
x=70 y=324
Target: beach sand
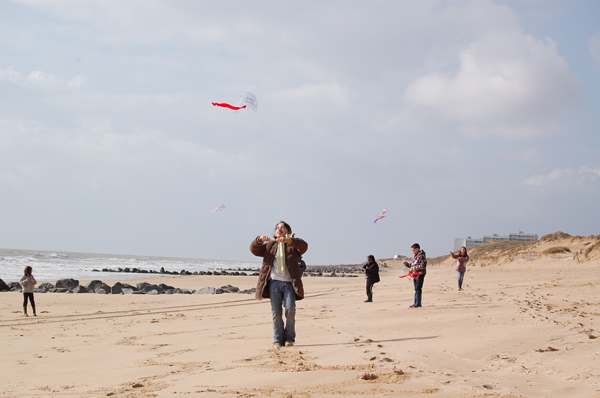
x=522 y=329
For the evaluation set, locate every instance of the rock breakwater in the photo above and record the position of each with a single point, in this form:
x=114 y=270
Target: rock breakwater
x=72 y=286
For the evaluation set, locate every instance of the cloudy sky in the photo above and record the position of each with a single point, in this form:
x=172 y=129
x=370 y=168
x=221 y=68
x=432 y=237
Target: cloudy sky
x=461 y=118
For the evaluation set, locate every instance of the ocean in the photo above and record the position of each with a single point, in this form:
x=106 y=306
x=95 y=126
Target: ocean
x=54 y=265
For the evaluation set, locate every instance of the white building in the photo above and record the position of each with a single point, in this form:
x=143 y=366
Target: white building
x=514 y=237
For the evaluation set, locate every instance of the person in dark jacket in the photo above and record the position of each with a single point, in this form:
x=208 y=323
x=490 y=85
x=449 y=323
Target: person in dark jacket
x=371 y=269
x=280 y=279
x=302 y=266
x=419 y=266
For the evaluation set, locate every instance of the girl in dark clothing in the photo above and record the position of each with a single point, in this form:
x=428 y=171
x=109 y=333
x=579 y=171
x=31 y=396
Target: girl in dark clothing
x=28 y=282
x=371 y=269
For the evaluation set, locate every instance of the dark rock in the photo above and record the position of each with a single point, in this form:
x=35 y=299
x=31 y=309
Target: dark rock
x=248 y=291
x=15 y=286
x=169 y=291
x=91 y=286
x=182 y=291
x=94 y=286
x=3 y=286
x=117 y=288
x=229 y=289
x=58 y=290
x=45 y=287
x=69 y=284
x=80 y=289
x=140 y=286
x=165 y=287
x=127 y=290
x=153 y=291
x=145 y=287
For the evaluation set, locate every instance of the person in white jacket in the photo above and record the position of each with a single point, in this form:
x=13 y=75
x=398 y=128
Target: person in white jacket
x=28 y=282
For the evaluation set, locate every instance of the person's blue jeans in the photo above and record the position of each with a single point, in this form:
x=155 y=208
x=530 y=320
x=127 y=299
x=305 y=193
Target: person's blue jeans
x=461 y=276
x=418 y=290
x=282 y=294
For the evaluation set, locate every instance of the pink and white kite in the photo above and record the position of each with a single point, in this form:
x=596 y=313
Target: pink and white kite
x=219 y=208
x=382 y=215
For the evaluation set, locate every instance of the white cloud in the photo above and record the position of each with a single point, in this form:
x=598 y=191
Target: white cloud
x=39 y=78
x=77 y=81
x=594 y=46
x=100 y=146
x=508 y=84
x=566 y=178
x=10 y=75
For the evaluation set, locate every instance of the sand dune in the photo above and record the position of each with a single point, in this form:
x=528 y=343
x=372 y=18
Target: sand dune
x=525 y=328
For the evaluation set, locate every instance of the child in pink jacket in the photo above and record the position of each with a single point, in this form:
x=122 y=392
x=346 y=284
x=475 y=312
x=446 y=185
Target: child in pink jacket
x=461 y=264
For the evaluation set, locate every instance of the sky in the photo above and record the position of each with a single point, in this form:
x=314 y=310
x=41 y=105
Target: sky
x=461 y=118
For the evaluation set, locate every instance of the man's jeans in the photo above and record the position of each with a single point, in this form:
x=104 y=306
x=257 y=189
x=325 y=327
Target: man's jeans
x=282 y=293
x=418 y=290
x=461 y=276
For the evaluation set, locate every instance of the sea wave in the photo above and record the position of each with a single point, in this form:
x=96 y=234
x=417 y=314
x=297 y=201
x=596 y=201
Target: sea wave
x=51 y=266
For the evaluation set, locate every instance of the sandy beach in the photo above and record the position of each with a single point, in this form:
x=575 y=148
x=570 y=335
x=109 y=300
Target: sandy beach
x=519 y=329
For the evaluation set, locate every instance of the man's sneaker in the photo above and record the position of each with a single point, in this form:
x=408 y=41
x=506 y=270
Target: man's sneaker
x=288 y=344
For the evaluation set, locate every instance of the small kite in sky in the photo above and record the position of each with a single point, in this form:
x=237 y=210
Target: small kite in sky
x=219 y=208
x=380 y=216
x=246 y=100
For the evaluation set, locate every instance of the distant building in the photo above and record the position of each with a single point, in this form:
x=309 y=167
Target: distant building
x=470 y=242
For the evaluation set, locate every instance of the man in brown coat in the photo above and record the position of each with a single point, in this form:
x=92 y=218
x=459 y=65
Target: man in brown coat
x=280 y=279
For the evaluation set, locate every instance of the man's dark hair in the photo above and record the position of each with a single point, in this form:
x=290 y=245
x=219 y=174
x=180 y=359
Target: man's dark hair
x=416 y=246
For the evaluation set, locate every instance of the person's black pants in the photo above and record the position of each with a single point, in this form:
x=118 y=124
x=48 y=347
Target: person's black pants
x=31 y=301
x=370 y=290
